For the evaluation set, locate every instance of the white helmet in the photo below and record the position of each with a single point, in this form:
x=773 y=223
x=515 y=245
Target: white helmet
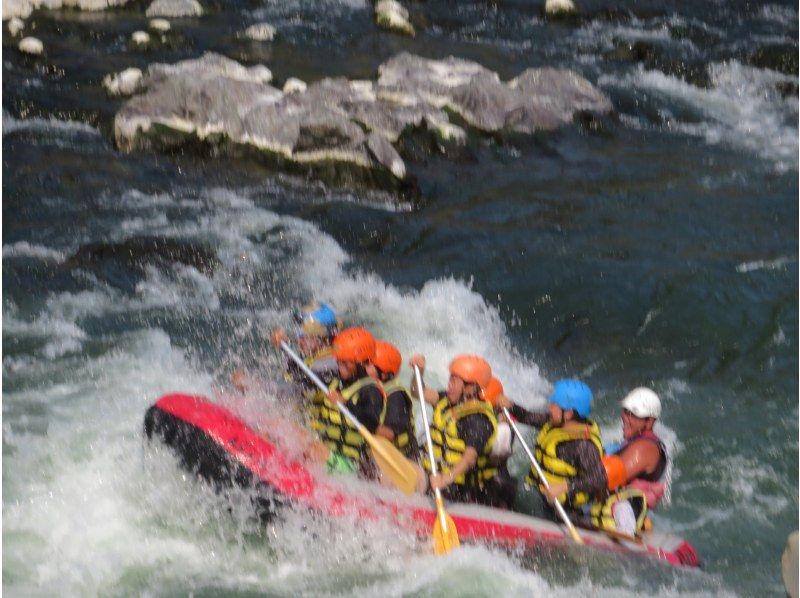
x=642 y=402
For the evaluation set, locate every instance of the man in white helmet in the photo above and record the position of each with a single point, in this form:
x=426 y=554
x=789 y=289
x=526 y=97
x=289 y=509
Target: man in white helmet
x=636 y=473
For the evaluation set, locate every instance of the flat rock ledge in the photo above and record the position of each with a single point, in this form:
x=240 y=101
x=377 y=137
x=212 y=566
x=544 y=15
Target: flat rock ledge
x=339 y=130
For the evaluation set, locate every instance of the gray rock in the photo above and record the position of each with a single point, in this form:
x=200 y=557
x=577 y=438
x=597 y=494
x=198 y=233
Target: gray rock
x=23 y=8
x=339 y=129
x=560 y=8
x=174 y=8
x=294 y=85
x=208 y=65
x=564 y=88
x=260 y=32
x=159 y=25
x=539 y=99
x=392 y=16
x=140 y=38
x=483 y=102
x=384 y=153
x=31 y=45
x=124 y=83
x=15 y=25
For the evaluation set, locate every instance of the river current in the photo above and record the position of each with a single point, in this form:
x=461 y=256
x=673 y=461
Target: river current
x=660 y=249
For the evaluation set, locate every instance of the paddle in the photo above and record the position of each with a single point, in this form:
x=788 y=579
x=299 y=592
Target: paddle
x=614 y=534
x=388 y=458
x=445 y=534
x=572 y=531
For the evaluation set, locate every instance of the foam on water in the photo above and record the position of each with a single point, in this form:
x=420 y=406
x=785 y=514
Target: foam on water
x=776 y=264
x=742 y=108
x=90 y=509
x=22 y=249
x=48 y=126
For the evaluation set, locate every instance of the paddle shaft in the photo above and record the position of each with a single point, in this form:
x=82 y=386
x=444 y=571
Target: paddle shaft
x=614 y=534
x=321 y=385
x=437 y=493
x=561 y=512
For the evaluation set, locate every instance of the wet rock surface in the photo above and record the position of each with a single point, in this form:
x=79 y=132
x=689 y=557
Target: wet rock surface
x=344 y=129
x=140 y=251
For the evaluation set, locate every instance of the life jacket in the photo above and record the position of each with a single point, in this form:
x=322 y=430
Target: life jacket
x=320 y=362
x=406 y=441
x=555 y=469
x=652 y=485
x=337 y=433
x=449 y=447
x=602 y=512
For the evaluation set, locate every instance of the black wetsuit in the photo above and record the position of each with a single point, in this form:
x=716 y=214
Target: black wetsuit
x=398 y=419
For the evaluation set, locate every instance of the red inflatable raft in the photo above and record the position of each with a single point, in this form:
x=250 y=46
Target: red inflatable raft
x=216 y=445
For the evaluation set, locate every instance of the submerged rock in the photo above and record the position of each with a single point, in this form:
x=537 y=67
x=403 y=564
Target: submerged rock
x=341 y=130
x=782 y=58
x=138 y=252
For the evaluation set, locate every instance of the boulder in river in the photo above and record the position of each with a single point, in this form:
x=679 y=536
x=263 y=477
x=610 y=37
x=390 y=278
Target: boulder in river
x=393 y=16
x=174 y=8
x=15 y=25
x=124 y=83
x=122 y=263
x=342 y=130
x=260 y=32
x=31 y=45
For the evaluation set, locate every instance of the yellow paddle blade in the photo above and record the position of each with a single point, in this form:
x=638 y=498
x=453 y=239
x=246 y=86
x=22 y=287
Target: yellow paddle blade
x=393 y=463
x=445 y=538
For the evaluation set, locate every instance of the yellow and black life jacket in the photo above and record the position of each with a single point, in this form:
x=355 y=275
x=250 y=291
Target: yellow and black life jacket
x=314 y=397
x=556 y=470
x=403 y=439
x=449 y=447
x=337 y=433
x=602 y=514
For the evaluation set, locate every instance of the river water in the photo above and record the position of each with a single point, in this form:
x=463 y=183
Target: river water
x=660 y=250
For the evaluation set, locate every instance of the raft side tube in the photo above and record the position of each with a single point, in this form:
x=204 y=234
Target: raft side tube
x=202 y=456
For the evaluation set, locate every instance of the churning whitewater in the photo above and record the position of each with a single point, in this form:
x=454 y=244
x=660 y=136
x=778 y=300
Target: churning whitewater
x=610 y=196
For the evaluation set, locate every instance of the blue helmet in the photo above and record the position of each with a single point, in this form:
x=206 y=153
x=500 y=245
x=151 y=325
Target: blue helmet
x=572 y=394
x=317 y=319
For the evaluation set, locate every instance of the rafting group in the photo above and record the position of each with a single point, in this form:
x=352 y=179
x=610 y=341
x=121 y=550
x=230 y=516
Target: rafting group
x=353 y=400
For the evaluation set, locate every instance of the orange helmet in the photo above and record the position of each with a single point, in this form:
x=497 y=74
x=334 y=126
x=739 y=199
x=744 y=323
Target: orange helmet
x=387 y=358
x=493 y=390
x=354 y=344
x=471 y=368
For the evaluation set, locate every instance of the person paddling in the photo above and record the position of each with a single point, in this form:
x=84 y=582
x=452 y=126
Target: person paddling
x=568 y=448
x=505 y=484
x=398 y=424
x=316 y=327
x=637 y=472
x=463 y=430
x=354 y=350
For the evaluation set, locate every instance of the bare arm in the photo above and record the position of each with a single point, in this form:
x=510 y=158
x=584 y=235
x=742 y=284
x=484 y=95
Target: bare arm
x=640 y=457
x=466 y=463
